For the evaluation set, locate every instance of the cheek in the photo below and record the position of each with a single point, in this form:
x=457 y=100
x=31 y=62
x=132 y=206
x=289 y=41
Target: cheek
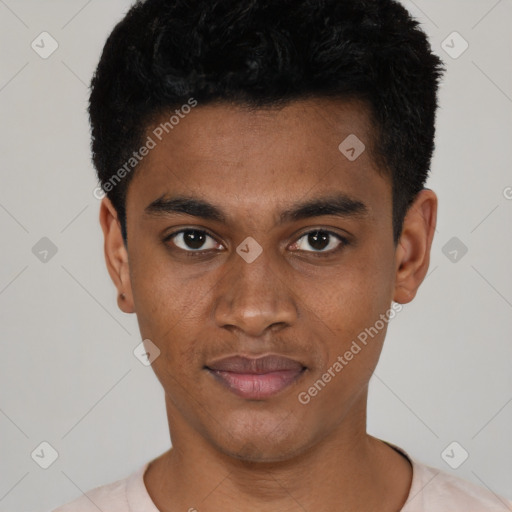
x=352 y=348
x=172 y=307
x=355 y=298
x=160 y=300
x=161 y=291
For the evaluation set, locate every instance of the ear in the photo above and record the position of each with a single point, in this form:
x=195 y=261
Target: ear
x=116 y=255
x=412 y=256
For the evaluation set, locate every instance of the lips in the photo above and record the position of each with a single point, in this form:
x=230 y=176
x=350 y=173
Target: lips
x=256 y=378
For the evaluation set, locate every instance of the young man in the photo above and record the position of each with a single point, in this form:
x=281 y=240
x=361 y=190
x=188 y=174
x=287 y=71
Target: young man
x=264 y=164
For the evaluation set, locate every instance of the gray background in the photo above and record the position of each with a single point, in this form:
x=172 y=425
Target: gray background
x=68 y=374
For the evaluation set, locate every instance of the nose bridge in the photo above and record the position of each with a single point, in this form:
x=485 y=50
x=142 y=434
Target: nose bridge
x=253 y=295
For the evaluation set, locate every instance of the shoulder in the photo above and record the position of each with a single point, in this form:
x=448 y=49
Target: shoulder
x=435 y=489
x=111 y=497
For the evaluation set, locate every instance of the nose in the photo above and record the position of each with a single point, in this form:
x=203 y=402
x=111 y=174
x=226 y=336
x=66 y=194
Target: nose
x=255 y=297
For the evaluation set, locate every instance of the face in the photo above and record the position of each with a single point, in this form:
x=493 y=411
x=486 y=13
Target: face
x=283 y=247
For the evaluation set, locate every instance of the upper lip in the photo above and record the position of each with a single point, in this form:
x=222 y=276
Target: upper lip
x=264 y=364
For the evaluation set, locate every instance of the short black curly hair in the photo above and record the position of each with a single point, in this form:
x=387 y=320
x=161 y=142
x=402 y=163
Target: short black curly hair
x=264 y=53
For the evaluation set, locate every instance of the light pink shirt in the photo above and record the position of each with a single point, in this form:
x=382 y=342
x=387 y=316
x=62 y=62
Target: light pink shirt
x=432 y=490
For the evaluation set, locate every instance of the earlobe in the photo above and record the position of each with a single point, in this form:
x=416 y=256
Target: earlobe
x=116 y=255
x=412 y=256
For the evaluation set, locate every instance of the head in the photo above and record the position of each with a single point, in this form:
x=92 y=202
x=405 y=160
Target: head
x=298 y=132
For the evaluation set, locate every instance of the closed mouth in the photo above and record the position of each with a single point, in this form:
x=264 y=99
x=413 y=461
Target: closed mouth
x=256 y=378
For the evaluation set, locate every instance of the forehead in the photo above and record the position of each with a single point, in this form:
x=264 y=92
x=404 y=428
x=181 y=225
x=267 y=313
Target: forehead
x=250 y=158
x=226 y=129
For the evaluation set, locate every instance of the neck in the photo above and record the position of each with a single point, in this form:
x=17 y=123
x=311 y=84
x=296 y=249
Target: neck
x=347 y=470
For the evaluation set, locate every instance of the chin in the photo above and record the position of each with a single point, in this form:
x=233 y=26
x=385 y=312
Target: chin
x=257 y=453
x=263 y=442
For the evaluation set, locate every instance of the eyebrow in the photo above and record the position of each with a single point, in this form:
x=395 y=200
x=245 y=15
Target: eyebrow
x=339 y=205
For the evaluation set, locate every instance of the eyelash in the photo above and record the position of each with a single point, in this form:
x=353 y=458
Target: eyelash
x=193 y=254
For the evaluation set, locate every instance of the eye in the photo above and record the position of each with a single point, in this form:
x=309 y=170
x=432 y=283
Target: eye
x=192 y=240
x=320 y=240
x=323 y=242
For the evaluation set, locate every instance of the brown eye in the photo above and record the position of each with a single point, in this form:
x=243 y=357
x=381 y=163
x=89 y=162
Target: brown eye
x=192 y=240
x=319 y=240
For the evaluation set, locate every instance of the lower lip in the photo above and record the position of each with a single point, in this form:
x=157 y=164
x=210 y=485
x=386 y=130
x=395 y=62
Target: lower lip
x=257 y=386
